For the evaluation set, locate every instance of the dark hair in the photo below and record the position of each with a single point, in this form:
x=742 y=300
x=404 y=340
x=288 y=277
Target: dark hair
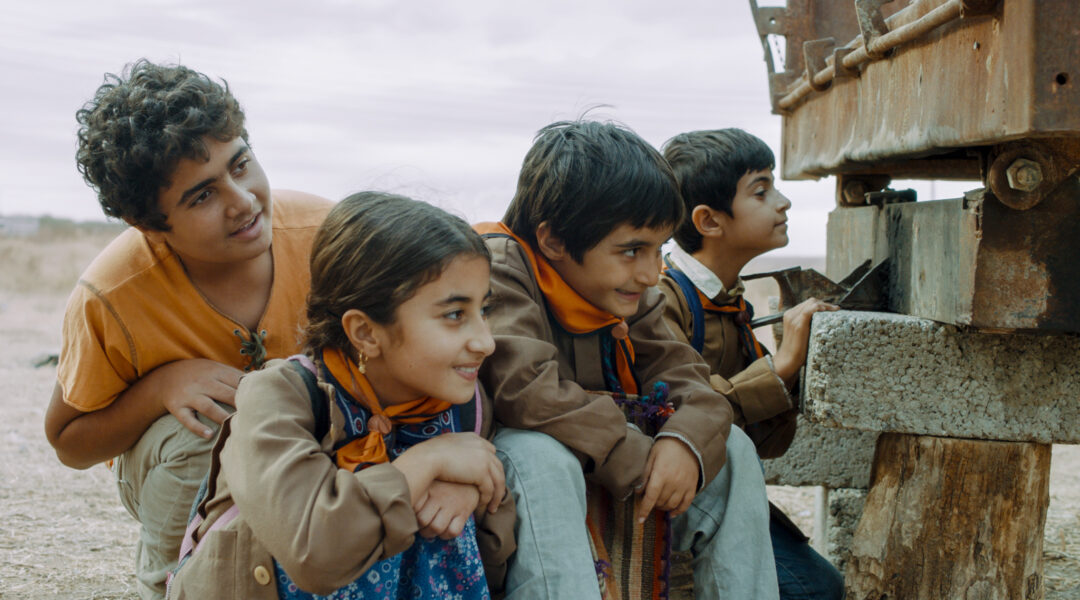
x=585 y=179
x=708 y=166
x=372 y=253
x=140 y=124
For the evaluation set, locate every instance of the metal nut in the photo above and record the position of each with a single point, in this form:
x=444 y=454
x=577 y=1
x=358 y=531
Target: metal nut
x=1024 y=175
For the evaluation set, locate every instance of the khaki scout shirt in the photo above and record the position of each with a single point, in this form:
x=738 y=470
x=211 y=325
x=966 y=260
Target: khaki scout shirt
x=540 y=378
x=325 y=526
x=758 y=396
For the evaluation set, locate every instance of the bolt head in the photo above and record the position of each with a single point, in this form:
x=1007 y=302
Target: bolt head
x=1024 y=175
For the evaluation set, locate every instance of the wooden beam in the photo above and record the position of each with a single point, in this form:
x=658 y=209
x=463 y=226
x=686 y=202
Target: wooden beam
x=948 y=518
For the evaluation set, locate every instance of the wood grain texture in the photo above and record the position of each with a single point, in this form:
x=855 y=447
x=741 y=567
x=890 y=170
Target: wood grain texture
x=951 y=518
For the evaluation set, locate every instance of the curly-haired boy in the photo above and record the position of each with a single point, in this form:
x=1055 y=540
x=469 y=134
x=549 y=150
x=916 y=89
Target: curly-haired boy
x=209 y=281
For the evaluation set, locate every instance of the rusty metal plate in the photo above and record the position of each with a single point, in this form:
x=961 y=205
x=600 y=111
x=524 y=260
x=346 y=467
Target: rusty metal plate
x=972 y=261
x=996 y=72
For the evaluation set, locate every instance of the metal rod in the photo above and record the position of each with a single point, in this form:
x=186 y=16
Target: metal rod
x=878 y=46
x=769 y=320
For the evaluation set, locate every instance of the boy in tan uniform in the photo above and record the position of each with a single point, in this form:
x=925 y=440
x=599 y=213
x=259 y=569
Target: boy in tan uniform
x=209 y=282
x=574 y=263
x=734 y=213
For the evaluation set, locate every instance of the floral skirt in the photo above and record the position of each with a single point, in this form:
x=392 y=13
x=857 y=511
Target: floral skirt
x=435 y=568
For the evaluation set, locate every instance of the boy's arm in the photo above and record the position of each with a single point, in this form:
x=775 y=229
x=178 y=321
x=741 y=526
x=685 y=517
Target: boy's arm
x=83 y=439
x=703 y=416
x=756 y=393
x=523 y=378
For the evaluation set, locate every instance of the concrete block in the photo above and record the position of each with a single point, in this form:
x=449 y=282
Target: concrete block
x=819 y=455
x=888 y=372
x=845 y=508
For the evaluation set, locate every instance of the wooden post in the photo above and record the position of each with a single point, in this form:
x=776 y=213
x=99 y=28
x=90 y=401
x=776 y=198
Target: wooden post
x=951 y=518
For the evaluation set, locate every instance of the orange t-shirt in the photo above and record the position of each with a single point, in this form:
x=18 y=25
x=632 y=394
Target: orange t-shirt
x=135 y=309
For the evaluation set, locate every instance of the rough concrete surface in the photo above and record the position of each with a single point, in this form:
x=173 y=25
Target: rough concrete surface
x=845 y=508
x=819 y=455
x=887 y=372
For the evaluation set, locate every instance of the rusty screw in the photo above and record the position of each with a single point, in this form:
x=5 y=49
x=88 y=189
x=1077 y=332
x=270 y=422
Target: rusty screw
x=1024 y=175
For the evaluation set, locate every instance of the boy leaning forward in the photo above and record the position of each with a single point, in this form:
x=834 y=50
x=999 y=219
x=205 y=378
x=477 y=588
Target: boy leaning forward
x=574 y=263
x=734 y=213
x=210 y=281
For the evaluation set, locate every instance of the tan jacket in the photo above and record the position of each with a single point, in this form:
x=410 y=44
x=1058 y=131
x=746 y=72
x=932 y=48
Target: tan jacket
x=539 y=376
x=761 y=403
x=325 y=526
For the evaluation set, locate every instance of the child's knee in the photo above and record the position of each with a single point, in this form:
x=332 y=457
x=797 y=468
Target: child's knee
x=538 y=462
x=741 y=449
x=532 y=447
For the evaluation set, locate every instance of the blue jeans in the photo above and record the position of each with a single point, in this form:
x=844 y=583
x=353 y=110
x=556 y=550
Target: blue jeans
x=725 y=528
x=803 y=573
x=553 y=557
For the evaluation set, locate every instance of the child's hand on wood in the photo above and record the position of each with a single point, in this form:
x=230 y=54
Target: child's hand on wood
x=671 y=478
x=792 y=352
x=456 y=458
x=443 y=511
x=194 y=386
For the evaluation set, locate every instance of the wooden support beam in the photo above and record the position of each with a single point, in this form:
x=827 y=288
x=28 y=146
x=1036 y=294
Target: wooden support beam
x=950 y=518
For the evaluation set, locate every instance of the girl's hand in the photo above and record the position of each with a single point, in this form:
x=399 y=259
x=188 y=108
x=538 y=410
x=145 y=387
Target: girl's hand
x=792 y=352
x=445 y=509
x=456 y=458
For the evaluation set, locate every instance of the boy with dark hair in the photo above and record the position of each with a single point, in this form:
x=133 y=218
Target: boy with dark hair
x=573 y=268
x=734 y=213
x=209 y=282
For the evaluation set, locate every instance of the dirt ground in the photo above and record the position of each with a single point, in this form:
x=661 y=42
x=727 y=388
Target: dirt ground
x=64 y=534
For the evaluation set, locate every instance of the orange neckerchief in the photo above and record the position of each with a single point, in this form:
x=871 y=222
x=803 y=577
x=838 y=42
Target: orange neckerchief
x=372 y=447
x=749 y=339
x=574 y=313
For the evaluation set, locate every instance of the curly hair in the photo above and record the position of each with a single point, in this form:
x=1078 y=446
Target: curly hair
x=373 y=252
x=138 y=127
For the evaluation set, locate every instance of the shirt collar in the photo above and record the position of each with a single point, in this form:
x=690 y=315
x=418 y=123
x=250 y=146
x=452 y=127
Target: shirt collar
x=704 y=279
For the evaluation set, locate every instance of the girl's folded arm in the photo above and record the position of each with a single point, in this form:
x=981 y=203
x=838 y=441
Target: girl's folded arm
x=324 y=525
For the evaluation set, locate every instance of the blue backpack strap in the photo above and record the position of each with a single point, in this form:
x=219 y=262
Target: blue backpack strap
x=697 y=314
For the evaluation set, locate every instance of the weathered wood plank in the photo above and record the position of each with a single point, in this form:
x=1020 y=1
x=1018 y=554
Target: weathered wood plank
x=948 y=518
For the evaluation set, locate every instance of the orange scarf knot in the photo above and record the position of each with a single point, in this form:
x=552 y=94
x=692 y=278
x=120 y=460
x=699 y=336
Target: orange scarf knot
x=574 y=313
x=371 y=449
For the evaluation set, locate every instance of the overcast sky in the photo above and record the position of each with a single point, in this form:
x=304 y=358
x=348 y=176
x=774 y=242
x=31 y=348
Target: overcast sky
x=435 y=99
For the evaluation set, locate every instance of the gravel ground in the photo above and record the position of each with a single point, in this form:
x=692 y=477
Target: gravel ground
x=64 y=534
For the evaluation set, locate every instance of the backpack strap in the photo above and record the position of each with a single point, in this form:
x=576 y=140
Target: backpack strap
x=472 y=412
x=320 y=408
x=697 y=314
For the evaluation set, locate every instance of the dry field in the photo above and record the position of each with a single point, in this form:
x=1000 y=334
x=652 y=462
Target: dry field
x=63 y=533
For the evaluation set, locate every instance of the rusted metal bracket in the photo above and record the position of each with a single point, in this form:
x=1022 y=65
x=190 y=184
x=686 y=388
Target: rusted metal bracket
x=875 y=42
x=1021 y=175
x=814 y=53
x=872 y=24
x=773 y=20
x=890 y=196
x=852 y=189
x=865 y=288
x=840 y=70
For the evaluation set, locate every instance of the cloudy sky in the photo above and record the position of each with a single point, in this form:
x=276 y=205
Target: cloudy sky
x=435 y=99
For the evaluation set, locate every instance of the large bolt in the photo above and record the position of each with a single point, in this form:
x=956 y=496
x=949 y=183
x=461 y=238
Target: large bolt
x=1024 y=175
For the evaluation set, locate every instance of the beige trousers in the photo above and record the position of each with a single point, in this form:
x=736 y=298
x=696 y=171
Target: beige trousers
x=158 y=479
